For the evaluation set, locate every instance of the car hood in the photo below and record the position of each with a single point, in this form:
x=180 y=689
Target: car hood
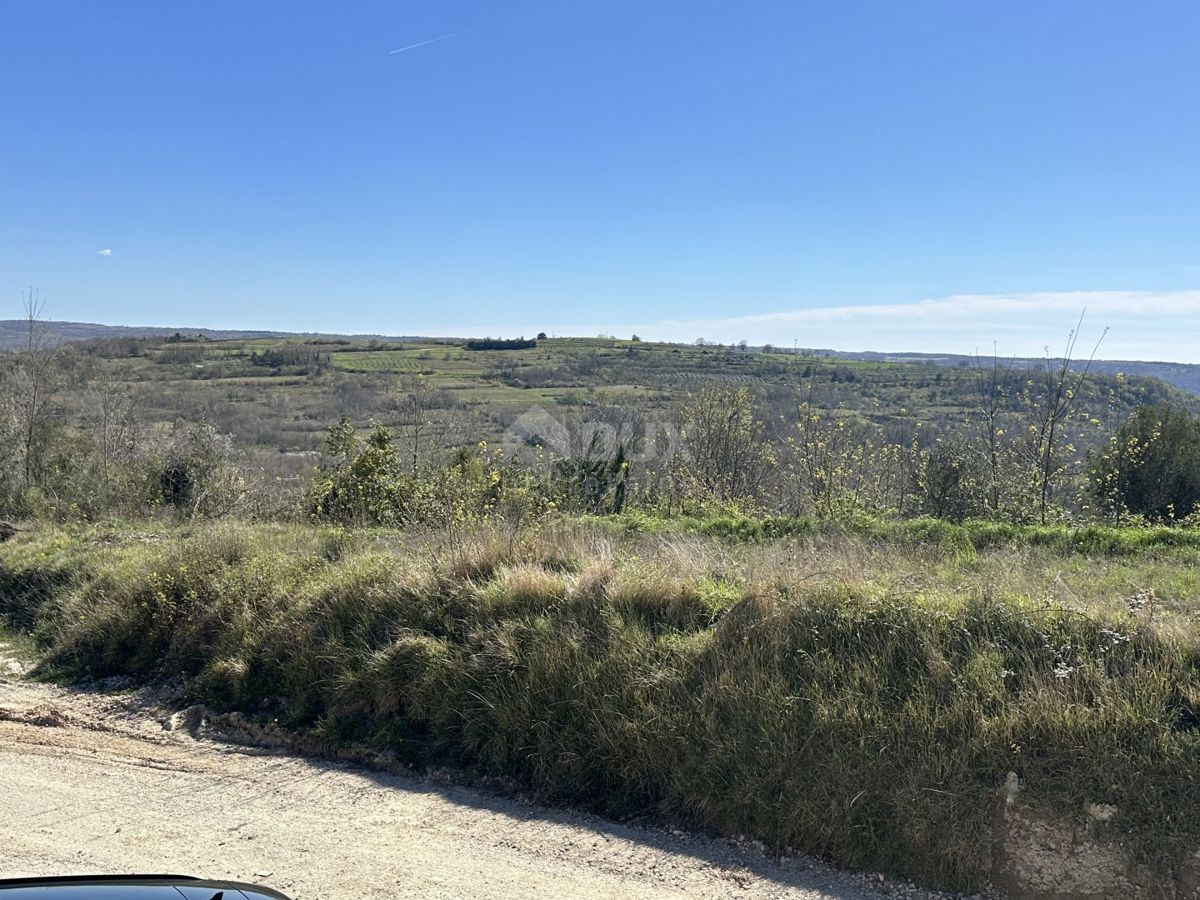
x=131 y=887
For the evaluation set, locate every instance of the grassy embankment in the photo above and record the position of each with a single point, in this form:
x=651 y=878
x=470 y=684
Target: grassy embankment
x=860 y=694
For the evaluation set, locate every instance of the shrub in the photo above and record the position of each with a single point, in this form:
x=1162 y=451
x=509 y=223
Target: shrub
x=1151 y=467
x=948 y=482
x=365 y=482
x=726 y=455
x=595 y=481
x=192 y=471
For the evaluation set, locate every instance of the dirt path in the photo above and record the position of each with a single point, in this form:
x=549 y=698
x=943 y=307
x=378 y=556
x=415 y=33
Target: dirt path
x=108 y=783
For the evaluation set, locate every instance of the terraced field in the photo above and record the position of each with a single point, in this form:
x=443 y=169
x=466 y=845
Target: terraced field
x=277 y=396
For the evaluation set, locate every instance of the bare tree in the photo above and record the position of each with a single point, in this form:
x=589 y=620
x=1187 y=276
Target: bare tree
x=1061 y=390
x=111 y=412
x=416 y=401
x=32 y=384
x=994 y=384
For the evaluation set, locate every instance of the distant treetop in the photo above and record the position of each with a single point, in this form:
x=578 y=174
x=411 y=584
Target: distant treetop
x=500 y=344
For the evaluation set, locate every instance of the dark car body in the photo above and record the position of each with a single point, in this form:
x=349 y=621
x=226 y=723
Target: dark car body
x=131 y=887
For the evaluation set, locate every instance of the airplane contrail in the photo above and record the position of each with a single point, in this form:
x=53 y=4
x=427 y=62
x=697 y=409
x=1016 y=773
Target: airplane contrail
x=444 y=37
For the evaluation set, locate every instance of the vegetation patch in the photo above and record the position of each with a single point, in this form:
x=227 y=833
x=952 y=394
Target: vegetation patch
x=969 y=537
x=855 y=695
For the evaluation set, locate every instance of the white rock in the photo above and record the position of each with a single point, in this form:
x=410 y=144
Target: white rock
x=1101 y=812
x=1012 y=784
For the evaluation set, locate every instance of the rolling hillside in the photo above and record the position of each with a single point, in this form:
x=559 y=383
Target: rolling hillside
x=277 y=396
x=1185 y=376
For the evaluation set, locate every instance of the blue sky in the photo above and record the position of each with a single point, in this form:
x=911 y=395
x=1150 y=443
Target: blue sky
x=901 y=176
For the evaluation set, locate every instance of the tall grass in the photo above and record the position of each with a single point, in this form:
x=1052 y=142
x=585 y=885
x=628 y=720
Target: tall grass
x=843 y=695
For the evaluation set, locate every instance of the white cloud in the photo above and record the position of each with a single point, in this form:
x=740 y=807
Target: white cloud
x=1149 y=325
x=1142 y=324
x=105 y=252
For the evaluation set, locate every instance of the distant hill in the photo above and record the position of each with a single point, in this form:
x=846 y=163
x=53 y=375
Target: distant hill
x=1185 y=376
x=13 y=333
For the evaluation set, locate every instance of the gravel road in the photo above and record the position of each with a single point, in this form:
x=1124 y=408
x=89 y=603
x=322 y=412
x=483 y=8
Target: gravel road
x=102 y=782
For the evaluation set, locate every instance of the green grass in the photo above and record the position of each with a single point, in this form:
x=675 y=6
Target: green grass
x=968 y=537
x=856 y=695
